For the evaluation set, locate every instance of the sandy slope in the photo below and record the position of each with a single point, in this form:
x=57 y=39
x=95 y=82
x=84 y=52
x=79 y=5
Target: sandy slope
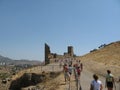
x=86 y=78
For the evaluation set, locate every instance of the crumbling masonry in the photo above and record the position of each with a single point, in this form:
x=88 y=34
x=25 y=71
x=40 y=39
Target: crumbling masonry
x=50 y=57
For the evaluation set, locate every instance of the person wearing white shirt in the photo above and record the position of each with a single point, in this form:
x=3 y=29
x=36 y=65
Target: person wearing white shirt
x=96 y=84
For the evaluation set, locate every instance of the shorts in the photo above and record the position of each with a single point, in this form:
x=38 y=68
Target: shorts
x=66 y=74
x=70 y=73
x=110 y=84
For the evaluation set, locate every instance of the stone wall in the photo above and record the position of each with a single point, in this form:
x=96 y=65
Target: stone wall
x=70 y=51
x=51 y=57
x=47 y=54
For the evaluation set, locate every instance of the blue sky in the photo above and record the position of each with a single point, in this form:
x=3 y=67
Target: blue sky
x=25 y=25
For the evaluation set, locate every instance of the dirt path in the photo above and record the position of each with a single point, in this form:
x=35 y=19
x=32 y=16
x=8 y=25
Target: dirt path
x=86 y=78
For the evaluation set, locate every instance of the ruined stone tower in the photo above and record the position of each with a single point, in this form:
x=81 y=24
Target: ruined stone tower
x=47 y=53
x=51 y=57
x=70 y=51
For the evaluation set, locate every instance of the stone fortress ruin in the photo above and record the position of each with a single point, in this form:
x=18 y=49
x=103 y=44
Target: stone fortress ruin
x=50 y=57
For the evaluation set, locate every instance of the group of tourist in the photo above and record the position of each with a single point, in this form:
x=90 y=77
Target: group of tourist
x=68 y=70
x=96 y=84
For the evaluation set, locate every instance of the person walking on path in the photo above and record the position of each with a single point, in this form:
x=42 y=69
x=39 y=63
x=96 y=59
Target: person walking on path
x=66 y=73
x=81 y=66
x=96 y=84
x=78 y=71
x=109 y=83
x=70 y=70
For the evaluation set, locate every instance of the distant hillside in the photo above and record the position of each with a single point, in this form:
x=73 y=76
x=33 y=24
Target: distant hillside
x=4 y=58
x=109 y=54
x=16 y=62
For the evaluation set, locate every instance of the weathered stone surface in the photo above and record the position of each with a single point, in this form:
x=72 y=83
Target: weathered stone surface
x=47 y=54
x=26 y=80
x=70 y=51
x=51 y=57
x=4 y=81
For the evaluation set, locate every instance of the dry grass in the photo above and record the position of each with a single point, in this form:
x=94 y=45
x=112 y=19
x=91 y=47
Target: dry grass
x=105 y=58
x=98 y=61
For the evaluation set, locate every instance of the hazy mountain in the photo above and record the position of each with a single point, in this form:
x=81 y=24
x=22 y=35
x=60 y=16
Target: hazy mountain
x=15 y=62
x=4 y=59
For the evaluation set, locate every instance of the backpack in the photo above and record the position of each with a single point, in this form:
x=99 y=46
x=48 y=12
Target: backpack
x=65 y=68
x=78 y=71
x=109 y=78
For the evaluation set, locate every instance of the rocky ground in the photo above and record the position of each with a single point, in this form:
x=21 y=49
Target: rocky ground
x=86 y=77
x=57 y=83
x=90 y=68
